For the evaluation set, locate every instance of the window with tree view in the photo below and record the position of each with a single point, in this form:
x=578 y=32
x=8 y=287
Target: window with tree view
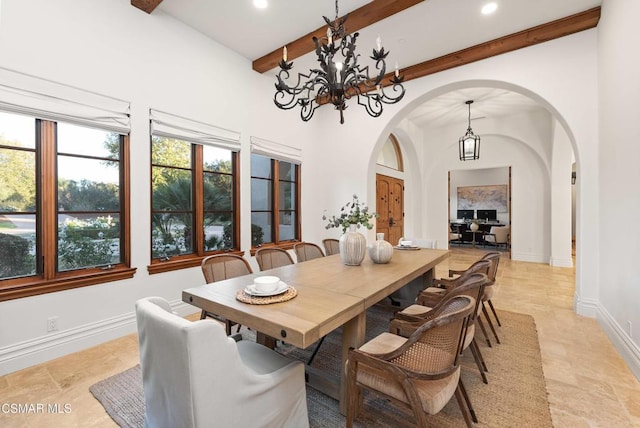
x=61 y=201
x=193 y=199
x=274 y=201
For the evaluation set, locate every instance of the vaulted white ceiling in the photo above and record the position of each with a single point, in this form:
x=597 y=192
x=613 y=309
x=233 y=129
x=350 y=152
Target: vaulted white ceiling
x=425 y=31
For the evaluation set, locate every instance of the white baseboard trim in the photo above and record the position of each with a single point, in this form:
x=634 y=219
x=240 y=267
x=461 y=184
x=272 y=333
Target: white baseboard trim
x=54 y=345
x=528 y=257
x=560 y=262
x=586 y=307
x=629 y=351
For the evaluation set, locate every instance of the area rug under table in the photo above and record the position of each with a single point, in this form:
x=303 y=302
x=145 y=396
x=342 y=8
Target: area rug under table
x=515 y=396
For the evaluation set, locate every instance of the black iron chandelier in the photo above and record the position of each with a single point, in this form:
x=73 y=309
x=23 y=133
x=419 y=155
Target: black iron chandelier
x=339 y=77
x=469 y=143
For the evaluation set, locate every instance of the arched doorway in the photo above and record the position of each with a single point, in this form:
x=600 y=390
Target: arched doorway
x=480 y=192
x=390 y=191
x=434 y=144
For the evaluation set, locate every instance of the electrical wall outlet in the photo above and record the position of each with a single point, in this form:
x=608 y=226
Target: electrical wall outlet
x=52 y=324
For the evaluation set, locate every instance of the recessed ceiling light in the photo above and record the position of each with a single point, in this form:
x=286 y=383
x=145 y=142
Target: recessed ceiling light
x=260 y=4
x=489 y=8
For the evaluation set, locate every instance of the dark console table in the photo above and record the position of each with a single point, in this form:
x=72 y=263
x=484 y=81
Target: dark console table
x=468 y=235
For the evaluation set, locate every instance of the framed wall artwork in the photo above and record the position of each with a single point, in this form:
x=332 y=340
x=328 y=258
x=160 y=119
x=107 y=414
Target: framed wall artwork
x=483 y=197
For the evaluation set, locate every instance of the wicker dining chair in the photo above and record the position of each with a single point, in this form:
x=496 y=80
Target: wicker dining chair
x=220 y=267
x=432 y=295
x=420 y=372
x=269 y=258
x=307 y=251
x=331 y=246
x=406 y=322
x=494 y=258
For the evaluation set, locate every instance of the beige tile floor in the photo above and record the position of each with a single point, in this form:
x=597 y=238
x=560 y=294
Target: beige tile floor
x=588 y=383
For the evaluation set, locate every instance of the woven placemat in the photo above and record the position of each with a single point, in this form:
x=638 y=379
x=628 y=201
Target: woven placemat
x=245 y=297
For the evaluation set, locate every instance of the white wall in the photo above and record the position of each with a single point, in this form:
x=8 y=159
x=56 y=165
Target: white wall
x=561 y=198
x=153 y=61
x=619 y=107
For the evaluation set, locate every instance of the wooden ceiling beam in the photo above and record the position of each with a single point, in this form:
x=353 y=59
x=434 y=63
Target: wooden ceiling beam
x=540 y=34
x=146 y=5
x=532 y=36
x=362 y=17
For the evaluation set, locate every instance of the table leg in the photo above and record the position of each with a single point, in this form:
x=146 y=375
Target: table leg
x=352 y=337
x=427 y=279
x=265 y=340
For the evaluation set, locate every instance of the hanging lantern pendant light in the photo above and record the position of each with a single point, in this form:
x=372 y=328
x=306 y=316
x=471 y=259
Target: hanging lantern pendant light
x=469 y=143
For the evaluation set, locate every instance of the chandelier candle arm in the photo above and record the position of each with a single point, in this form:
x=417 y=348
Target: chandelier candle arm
x=339 y=77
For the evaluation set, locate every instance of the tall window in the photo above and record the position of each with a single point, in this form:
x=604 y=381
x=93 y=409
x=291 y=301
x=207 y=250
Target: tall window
x=275 y=201
x=194 y=191
x=89 y=203
x=63 y=206
x=193 y=202
x=171 y=197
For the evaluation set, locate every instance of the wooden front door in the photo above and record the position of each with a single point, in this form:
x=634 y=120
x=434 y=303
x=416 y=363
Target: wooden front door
x=390 y=207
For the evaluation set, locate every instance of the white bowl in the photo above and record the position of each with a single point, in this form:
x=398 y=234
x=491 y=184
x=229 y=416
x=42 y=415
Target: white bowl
x=266 y=284
x=406 y=243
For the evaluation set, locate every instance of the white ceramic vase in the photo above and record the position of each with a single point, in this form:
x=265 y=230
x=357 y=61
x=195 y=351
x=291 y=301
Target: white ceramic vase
x=474 y=227
x=353 y=246
x=380 y=251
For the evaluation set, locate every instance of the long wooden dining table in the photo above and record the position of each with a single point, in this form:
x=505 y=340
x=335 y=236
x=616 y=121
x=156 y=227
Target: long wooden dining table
x=330 y=295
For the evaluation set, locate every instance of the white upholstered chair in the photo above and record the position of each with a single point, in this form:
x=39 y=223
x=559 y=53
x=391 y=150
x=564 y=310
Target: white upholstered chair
x=498 y=235
x=421 y=242
x=455 y=234
x=194 y=375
